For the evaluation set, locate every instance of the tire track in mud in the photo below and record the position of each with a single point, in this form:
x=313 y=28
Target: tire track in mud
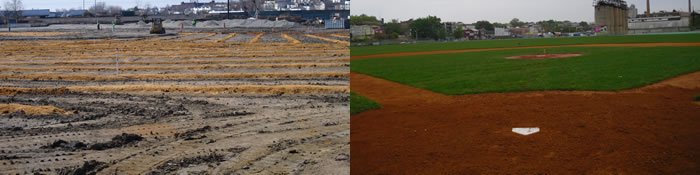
x=182 y=62
x=197 y=67
x=258 y=104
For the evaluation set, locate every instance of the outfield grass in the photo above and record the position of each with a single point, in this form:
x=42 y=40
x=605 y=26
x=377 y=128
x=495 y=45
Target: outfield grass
x=360 y=104
x=384 y=49
x=599 y=69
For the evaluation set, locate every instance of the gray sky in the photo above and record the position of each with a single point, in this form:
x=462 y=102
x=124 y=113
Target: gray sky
x=67 y=4
x=469 y=11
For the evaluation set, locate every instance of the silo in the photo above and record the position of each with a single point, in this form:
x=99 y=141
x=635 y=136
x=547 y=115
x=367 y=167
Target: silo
x=613 y=14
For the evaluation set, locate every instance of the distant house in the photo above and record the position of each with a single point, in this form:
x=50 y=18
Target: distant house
x=42 y=13
x=362 y=31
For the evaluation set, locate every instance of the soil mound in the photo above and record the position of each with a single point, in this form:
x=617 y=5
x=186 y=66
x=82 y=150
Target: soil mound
x=31 y=110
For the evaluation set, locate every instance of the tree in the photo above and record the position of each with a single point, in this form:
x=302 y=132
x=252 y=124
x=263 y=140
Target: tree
x=252 y=7
x=14 y=6
x=114 y=10
x=459 y=33
x=364 y=20
x=394 y=28
x=428 y=27
x=98 y=9
x=516 y=23
x=484 y=25
x=442 y=34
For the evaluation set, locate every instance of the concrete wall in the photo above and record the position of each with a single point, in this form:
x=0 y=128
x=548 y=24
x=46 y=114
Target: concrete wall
x=614 y=18
x=659 y=26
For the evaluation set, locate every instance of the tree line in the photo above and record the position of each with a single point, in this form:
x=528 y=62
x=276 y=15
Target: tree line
x=431 y=27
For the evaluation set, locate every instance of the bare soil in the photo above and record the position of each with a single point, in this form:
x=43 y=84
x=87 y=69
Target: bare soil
x=181 y=104
x=649 y=130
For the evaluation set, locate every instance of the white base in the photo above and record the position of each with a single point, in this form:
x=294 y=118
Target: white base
x=526 y=131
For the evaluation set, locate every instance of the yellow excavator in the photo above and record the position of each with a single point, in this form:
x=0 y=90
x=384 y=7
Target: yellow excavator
x=157 y=26
x=118 y=20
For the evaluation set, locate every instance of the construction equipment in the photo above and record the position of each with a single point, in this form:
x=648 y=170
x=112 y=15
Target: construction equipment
x=118 y=20
x=157 y=26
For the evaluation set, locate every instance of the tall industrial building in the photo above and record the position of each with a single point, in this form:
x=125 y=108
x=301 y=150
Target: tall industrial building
x=611 y=16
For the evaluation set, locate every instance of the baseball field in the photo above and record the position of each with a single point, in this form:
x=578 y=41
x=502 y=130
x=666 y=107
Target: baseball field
x=604 y=105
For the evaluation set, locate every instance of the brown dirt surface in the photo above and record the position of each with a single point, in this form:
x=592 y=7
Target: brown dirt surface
x=32 y=110
x=241 y=89
x=260 y=108
x=546 y=56
x=649 y=130
x=532 y=47
x=34 y=34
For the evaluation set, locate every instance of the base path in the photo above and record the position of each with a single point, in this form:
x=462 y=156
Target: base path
x=653 y=129
x=531 y=47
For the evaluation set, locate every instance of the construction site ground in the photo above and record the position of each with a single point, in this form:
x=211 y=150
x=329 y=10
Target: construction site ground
x=196 y=103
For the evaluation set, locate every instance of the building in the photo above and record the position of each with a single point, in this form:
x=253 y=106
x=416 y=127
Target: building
x=42 y=13
x=660 y=22
x=632 y=12
x=362 y=31
x=501 y=32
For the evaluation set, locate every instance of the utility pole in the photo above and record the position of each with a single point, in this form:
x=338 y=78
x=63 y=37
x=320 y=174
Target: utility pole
x=228 y=9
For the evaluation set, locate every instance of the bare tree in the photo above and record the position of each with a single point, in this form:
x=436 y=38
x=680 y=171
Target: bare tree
x=98 y=9
x=252 y=6
x=114 y=10
x=14 y=6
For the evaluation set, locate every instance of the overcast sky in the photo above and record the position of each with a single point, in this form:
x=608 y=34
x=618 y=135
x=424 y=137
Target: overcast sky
x=469 y=11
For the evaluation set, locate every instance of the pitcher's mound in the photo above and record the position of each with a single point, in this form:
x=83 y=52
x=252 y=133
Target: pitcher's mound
x=547 y=56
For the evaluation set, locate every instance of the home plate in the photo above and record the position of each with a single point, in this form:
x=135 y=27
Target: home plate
x=526 y=131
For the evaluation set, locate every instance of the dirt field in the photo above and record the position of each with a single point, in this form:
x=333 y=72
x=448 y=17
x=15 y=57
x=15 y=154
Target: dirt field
x=650 y=130
x=197 y=103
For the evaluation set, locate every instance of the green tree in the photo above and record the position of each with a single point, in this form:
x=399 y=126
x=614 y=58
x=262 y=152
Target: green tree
x=428 y=27
x=394 y=27
x=484 y=25
x=364 y=20
x=442 y=34
x=516 y=22
x=459 y=33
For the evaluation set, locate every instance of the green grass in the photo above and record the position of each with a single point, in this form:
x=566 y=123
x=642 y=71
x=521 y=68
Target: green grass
x=384 y=49
x=600 y=69
x=697 y=97
x=359 y=104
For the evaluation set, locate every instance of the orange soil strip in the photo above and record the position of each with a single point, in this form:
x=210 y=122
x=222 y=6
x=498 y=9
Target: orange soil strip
x=319 y=75
x=547 y=56
x=328 y=39
x=340 y=36
x=198 y=67
x=226 y=38
x=532 y=47
x=198 y=38
x=291 y=39
x=181 y=35
x=32 y=110
x=256 y=38
x=214 y=90
x=34 y=33
x=422 y=132
x=183 y=62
